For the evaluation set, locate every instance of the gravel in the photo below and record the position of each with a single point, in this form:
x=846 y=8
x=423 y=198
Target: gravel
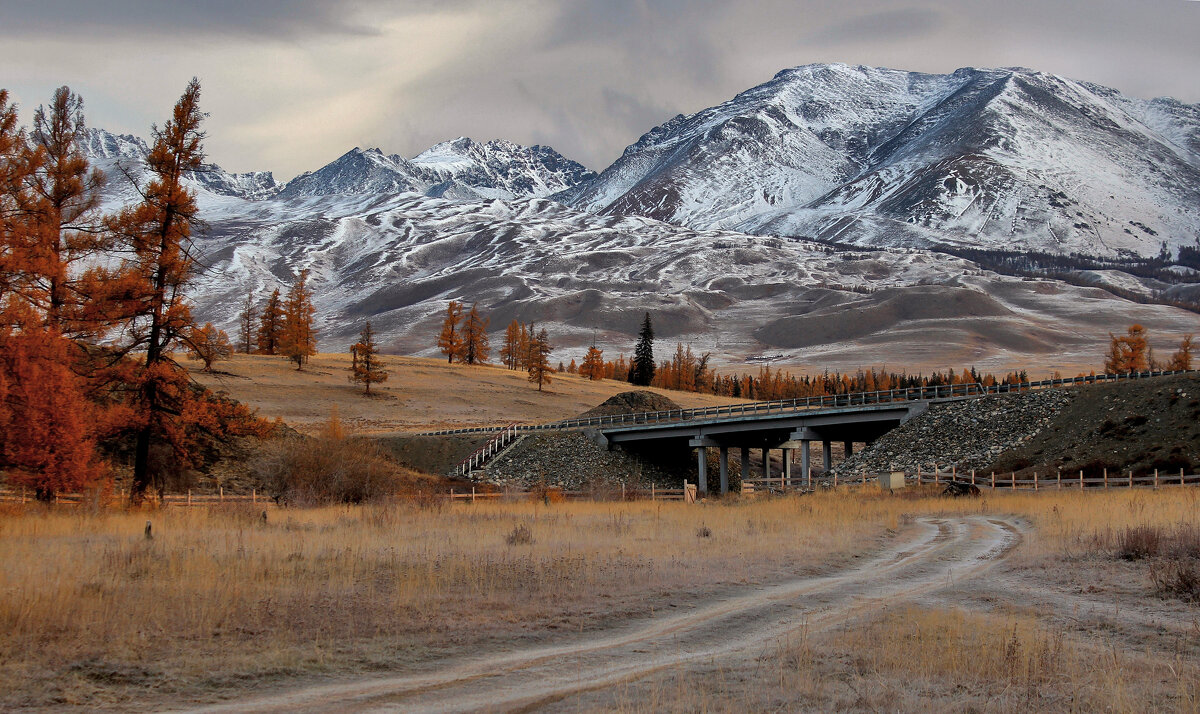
x=967 y=435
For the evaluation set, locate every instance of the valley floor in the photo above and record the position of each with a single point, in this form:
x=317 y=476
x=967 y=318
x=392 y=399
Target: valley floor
x=420 y=394
x=847 y=599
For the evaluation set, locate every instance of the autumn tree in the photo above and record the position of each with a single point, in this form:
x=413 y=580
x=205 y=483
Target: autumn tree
x=60 y=210
x=641 y=370
x=270 y=325
x=149 y=289
x=365 y=366
x=246 y=319
x=208 y=344
x=1182 y=359
x=47 y=434
x=539 y=363
x=1128 y=352
x=593 y=364
x=450 y=340
x=510 y=352
x=475 y=347
x=299 y=339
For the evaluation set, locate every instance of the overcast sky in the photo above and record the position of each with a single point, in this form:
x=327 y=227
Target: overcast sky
x=291 y=84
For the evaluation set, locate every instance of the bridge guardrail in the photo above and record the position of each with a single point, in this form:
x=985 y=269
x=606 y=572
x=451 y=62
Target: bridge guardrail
x=850 y=399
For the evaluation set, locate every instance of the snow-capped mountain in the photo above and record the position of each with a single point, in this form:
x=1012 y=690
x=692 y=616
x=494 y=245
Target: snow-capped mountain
x=890 y=161
x=1004 y=158
x=397 y=259
x=115 y=153
x=460 y=169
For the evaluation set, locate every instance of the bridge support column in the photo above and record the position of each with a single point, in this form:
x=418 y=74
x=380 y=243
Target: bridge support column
x=787 y=467
x=702 y=470
x=848 y=448
x=724 y=470
x=826 y=455
x=766 y=463
x=805 y=463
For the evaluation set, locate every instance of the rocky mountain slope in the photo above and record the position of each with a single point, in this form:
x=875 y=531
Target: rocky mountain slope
x=460 y=169
x=1009 y=159
x=392 y=239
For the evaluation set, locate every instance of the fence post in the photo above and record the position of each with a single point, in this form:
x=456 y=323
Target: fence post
x=993 y=480
x=1058 y=480
x=1105 y=477
x=835 y=479
x=1014 y=480
x=472 y=494
x=1155 y=479
x=1035 y=481
x=451 y=497
x=254 y=495
x=622 y=491
x=972 y=477
x=1080 y=479
x=189 y=501
x=937 y=476
x=1131 y=478
x=221 y=490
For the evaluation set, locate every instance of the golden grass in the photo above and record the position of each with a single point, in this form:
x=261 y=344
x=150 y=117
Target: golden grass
x=420 y=393
x=89 y=609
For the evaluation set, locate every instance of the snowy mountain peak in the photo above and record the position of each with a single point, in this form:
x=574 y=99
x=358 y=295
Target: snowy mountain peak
x=460 y=168
x=1006 y=158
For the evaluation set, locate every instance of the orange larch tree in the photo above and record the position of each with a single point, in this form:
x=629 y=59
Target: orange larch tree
x=539 y=359
x=270 y=325
x=593 y=364
x=299 y=340
x=208 y=344
x=511 y=349
x=148 y=290
x=365 y=366
x=1182 y=359
x=475 y=348
x=1128 y=352
x=450 y=340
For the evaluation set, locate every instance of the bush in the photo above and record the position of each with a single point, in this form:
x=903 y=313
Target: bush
x=520 y=535
x=323 y=470
x=1137 y=542
x=1179 y=578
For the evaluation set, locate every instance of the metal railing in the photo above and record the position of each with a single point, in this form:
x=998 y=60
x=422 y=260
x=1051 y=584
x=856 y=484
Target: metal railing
x=484 y=453
x=827 y=401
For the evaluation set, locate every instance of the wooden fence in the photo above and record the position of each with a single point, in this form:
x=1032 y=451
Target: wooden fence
x=1059 y=480
x=653 y=493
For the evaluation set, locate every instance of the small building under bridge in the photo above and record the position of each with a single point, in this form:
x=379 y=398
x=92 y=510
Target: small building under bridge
x=785 y=431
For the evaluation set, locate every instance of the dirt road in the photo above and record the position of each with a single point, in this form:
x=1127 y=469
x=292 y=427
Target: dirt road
x=929 y=555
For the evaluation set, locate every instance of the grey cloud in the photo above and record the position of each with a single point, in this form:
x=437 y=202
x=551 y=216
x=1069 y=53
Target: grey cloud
x=898 y=25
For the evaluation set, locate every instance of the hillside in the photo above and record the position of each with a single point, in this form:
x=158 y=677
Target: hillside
x=1009 y=159
x=420 y=394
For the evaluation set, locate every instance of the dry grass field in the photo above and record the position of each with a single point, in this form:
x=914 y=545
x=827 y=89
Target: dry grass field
x=420 y=393
x=849 y=599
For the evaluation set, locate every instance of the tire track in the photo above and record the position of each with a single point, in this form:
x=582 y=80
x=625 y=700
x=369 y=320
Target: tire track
x=934 y=554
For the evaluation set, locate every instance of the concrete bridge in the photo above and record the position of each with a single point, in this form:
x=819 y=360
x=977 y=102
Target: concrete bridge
x=788 y=431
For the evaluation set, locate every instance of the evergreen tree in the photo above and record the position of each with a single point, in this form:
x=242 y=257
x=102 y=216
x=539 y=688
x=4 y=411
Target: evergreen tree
x=539 y=359
x=270 y=325
x=450 y=340
x=475 y=348
x=299 y=341
x=365 y=365
x=641 y=370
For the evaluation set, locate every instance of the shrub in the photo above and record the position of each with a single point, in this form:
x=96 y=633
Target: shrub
x=520 y=535
x=324 y=469
x=1137 y=542
x=1178 y=577
x=704 y=532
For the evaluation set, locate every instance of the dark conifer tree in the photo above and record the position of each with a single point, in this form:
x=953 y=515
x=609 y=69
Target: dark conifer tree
x=641 y=371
